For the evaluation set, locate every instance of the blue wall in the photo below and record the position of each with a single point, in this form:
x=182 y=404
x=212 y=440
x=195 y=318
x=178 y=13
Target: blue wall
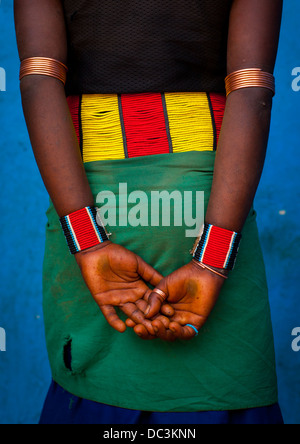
x=24 y=370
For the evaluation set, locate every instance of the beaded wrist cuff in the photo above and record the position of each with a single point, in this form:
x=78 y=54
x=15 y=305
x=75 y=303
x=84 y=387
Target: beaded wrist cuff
x=83 y=229
x=217 y=247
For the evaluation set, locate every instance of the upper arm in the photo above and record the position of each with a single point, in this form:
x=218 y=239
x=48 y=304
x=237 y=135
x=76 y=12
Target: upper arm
x=253 y=34
x=40 y=29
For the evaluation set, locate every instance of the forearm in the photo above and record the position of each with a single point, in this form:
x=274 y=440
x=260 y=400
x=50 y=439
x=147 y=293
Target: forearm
x=240 y=157
x=41 y=32
x=55 y=144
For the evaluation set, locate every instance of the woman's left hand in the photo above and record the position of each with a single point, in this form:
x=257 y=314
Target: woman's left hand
x=192 y=292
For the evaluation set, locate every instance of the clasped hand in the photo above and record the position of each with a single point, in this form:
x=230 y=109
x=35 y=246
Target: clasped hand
x=118 y=278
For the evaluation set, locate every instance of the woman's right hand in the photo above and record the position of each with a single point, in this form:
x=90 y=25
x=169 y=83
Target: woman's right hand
x=116 y=277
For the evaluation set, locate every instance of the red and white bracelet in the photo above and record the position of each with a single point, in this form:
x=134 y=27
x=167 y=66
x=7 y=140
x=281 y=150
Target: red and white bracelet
x=217 y=247
x=83 y=229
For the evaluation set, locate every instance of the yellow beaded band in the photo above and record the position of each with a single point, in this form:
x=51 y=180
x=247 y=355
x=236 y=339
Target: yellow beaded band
x=43 y=66
x=249 y=78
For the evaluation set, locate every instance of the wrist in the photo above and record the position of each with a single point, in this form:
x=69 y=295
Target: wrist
x=219 y=273
x=79 y=256
x=84 y=229
x=217 y=248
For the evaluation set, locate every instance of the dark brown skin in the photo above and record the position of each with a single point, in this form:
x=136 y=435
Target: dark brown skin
x=253 y=41
x=192 y=292
x=40 y=30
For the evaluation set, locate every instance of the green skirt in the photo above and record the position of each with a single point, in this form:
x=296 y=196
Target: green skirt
x=230 y=365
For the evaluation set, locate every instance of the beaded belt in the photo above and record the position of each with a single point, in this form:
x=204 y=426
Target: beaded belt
x=119 y=126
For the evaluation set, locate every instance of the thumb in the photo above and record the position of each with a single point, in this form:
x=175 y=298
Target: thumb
x=147 y=272
x=157 y=297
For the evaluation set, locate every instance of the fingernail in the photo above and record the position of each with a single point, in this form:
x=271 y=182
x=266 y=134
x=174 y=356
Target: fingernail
x=147 y=310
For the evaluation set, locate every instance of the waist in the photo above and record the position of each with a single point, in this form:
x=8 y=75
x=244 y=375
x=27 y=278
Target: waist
x=120 y=126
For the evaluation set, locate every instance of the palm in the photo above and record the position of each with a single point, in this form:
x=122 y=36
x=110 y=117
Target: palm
x=192 y=292
x=116 y=276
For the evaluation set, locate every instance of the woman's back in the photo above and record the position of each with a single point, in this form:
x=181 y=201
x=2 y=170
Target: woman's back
x=146 y=46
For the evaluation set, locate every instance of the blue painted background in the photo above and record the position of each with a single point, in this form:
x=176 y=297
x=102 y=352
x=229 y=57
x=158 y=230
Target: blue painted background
x=24 y=370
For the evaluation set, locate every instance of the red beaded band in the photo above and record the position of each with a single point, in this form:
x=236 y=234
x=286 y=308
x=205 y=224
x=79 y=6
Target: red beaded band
x=83 y=229
x=217 y=247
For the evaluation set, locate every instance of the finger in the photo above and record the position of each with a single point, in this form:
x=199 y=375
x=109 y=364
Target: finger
x=136 y=315
x=156 y=300
x=167 y=310
x=148 y=273
x=110 y=297
x=163 y=332
x=143 y=333
x=130 y=323
x=117 y=297
x=142 y=305
x=161 y=328
x=183 y=332
x=186 y=317
x=112 y=318
x=162 y=320
x=147 y=295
